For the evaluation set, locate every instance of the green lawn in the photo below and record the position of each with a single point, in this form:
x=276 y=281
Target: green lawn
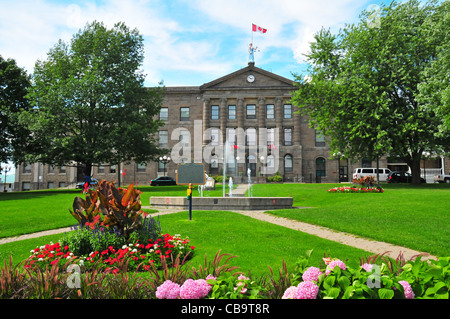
x=417 y=217
x=257 y=244
x=413 y=216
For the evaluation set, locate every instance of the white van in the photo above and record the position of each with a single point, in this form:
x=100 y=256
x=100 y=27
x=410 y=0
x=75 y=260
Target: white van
x=362 y=172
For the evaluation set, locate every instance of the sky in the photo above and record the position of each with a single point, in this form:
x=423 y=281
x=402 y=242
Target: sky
x=187 y=42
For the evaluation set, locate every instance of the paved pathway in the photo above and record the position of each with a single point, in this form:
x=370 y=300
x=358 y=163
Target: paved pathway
x=373 y=246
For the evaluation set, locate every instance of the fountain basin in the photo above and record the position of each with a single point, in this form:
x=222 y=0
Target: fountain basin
x=222 y=203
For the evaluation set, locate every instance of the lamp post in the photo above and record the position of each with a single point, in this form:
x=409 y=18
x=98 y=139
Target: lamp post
x=164 y=159
x=6 y=169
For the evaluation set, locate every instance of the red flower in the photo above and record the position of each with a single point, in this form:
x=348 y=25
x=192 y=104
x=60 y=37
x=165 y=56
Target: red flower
x=192 y=247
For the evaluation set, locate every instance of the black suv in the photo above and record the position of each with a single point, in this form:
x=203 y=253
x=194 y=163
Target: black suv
x=401 y=177
x=163 y=180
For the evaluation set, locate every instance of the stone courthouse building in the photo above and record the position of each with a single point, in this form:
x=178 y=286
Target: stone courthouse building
x=249 y=108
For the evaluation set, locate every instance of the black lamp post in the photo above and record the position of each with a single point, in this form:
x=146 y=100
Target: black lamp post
x=6 y=169
x=164 y=159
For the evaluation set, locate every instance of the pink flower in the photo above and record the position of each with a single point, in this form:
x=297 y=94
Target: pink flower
x=333 y=264
x=311 y=274
x=306 y=290
x=210 y=277
x=193 y=289
x=409 y=293
x=289 y=293
x=168 y=290
x=367 y=267
x=206 y=287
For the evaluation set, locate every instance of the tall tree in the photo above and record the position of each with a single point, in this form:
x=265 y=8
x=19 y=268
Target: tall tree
x=363 y=87
x=14 y=82
x=90 y=103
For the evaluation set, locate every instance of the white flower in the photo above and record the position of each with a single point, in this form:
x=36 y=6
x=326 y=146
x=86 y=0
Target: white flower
x=40 y=259
x=81 y=262
x=124 y=246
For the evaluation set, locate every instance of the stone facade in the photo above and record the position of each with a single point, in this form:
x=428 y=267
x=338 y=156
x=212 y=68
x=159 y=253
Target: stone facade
x=250 y=108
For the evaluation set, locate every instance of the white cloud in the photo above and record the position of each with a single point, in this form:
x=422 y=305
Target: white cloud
x=211 y=39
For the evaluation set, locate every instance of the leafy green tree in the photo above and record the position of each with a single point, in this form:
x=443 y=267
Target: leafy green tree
x=434 y=92
x=363 y=85
x=14 y=82
x=90 y=103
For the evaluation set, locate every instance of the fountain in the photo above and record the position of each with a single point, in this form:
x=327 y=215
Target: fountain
x=224 y=203
x=249 y=172
x=230 y=187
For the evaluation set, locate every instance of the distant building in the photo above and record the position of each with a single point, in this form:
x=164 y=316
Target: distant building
x=251 y=109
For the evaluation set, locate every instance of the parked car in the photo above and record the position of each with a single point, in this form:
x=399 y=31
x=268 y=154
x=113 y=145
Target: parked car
x=442 y=178
x=371 y=171
x=93 y=182
x=401 y=177
x=162 y=181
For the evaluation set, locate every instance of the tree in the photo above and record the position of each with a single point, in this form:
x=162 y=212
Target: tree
x=90 y=103
x=363 y=88
x=434 y=92
x=14 y=82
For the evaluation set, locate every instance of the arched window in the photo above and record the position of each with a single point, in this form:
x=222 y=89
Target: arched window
x=287 y=163
x=320 y=167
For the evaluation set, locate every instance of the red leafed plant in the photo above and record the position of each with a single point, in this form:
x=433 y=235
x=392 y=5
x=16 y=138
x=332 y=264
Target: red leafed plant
x=120 y=208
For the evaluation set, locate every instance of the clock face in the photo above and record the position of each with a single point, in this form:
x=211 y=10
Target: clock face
x=250 y=78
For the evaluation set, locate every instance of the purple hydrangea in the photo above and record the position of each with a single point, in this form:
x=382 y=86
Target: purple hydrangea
x=304 y=290
x=333 y=264
x=168 y=290
x=409 y=293
x=194 y=289
x=311 y=274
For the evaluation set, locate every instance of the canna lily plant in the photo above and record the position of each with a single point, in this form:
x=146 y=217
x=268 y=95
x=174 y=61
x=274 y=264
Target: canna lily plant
x=120 y=208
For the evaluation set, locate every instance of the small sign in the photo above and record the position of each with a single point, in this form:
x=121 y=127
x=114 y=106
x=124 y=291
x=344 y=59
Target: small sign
x=190 y=173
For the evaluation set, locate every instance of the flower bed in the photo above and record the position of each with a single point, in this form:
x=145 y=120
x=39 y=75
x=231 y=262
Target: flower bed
x=347 y=189
x=145 y=254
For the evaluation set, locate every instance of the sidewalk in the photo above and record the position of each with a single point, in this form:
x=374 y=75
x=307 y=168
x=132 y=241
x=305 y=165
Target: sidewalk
x=369 y=245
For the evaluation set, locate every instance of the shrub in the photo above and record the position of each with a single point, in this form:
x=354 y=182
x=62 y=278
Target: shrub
x=275 y=178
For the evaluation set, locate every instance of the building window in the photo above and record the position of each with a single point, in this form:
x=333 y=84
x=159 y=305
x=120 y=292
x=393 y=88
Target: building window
x=26 y=186
x=27 y=168
x=62 y=169
x=366 y=163
x=231 y=136
x=112 y=169
x=101 y=169
x=270 y=111
x=214 y=112
x=215 y=136
x=163 y=139
x=320 y=167
x=287 y=111
x=320 y=138
x=288 y=163
x=62 y=184
x=251 y=111
x=184 y=114
x=251 y=136
x=271 y=137
x=164 y=114
x=231 y=112
x=185 y=137
x=141 y=167
x=50 y=185
x=161 y=166
x=288 y=136
x=214 y=161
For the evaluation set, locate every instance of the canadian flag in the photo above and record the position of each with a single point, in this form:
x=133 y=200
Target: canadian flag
x=256 y=28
